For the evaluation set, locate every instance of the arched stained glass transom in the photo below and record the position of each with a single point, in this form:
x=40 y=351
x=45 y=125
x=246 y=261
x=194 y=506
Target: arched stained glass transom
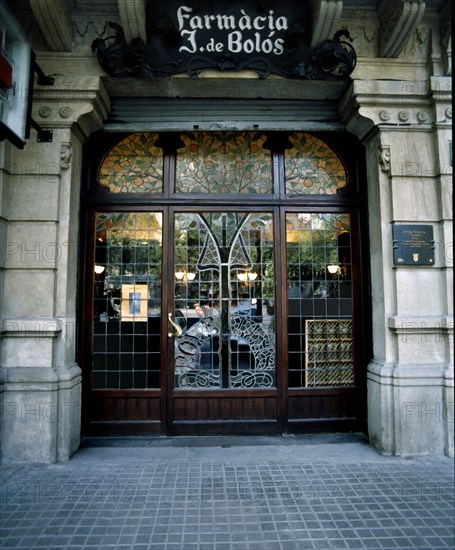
x=312 y=167
x=134 y=165
x=222 y=163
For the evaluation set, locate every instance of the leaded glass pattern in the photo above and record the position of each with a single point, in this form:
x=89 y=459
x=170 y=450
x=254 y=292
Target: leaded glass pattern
x=134 y=165
x=223 y=162
x=312 y=167
x=127 y=301
x=319 y=296
x=224 y=301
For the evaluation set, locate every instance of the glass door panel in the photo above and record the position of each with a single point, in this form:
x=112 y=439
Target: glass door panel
x=224 y=326
x=127 y=301
x=319 y=293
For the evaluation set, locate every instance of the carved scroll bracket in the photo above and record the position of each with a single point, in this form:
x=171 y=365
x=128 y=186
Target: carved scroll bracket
x=398 y=21
x=132 y=17
x=446 y=39
x=54 y=20
x=325 y=18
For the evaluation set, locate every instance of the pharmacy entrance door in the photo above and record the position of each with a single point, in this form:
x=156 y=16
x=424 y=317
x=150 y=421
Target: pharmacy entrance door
x=223 y=314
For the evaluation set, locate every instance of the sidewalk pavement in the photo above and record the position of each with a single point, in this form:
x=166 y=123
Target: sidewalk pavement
x=229 y=493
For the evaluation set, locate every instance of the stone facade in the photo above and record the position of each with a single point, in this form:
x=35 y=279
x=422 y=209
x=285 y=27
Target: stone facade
x=398 y=104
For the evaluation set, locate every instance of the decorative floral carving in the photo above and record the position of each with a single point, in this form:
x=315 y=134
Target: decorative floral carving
x=384 y=116
x=384 y=158
x=66 y=153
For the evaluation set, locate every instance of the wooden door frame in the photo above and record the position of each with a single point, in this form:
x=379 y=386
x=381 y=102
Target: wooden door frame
x=228 y=395
x=276 y=202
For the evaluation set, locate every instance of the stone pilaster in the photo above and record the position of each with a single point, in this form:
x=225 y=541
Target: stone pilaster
x=406 y=130
x=40 y=379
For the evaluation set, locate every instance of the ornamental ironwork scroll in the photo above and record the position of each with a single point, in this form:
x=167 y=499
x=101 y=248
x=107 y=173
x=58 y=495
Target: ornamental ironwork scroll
x=269 y=37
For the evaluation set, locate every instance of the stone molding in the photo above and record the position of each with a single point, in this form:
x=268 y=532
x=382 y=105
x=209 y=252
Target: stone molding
x=19 y=377
x=422 y=325
x=398 y=21
x=326 y=15
x=78 y=103
x=132 y=19
x=394 y=105
x=31 y=327
x=54 y=20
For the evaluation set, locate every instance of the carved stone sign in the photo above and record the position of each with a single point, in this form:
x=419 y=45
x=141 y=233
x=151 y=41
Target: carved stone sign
x=413 y=244
x=268 y=36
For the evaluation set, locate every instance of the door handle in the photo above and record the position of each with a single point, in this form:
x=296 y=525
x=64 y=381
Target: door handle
x=178 y=330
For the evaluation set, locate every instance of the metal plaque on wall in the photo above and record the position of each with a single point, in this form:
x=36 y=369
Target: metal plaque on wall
x=267 y=36
x=413 y=244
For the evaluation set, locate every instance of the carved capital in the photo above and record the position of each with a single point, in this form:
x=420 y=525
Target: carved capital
x=54 y=20
x=132 y=17
x=325 y=18
x=78 y=103
x=388 y=104
x=398 y=21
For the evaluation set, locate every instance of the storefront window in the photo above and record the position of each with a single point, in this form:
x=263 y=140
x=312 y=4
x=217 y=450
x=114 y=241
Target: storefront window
x=127 y=300
x=319 y=300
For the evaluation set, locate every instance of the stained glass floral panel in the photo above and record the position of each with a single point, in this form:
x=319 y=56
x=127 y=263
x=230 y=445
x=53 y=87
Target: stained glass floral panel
x=312 y=167
x=134 y=165
x=223 y=162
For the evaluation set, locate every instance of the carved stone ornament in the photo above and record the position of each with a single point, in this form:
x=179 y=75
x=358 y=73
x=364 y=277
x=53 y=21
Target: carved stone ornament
x=54 y=20
x=66 y=153
x=326 y=14
x=446 y=38
x=403 y=116
x=398 y=21
x=384 y=158
x=422 y=116
x=45 y=112
x=334 y=59
x=66 y=112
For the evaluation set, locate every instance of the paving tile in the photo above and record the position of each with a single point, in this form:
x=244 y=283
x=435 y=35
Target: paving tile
x=283 y=502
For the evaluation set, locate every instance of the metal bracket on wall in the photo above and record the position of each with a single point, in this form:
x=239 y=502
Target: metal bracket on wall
x=44 y=136
x=43 y=79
